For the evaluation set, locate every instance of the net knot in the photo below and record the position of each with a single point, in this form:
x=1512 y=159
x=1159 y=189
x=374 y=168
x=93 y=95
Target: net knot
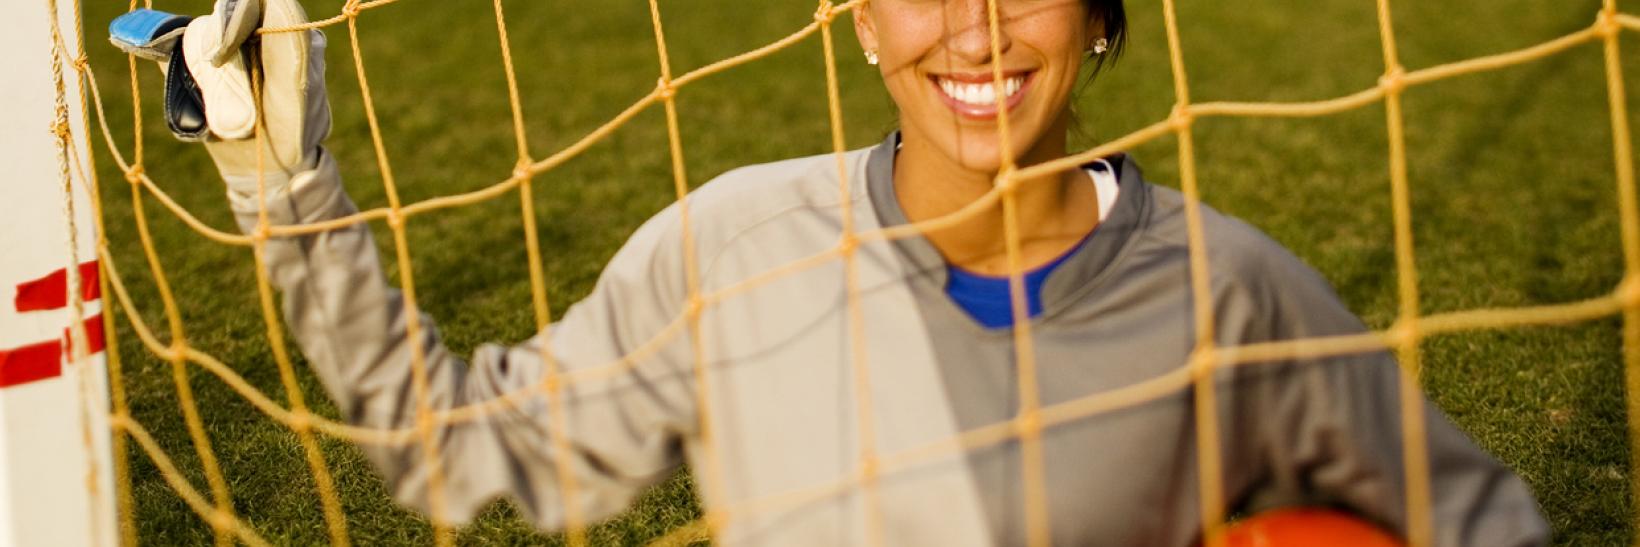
x=553 y=383
x=60 y=128
x=395 y=219
x=1181 y=118
x=1404 y=331
x=301 y=420
x=696 y=306
x=1029 y=424
x=221 y=520
x=664 y=90
x=351 y=9
x=825 y=13
x=1628 y=292
x=868 y=467
x=81 y=63
x=424 y=421
x=1606 y=23
x=1393 y=81
x=134 y=174
x=176 y=353
x=848 y=244
x=1006 y=179
x=521 y=171
x=1201 y=363
x=262 y=233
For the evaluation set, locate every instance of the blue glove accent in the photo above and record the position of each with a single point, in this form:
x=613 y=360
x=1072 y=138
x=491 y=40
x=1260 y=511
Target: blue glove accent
x=139 y=29
x=157 y=35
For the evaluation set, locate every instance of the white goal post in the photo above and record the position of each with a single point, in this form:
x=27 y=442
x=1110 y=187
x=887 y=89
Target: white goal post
x=56 y=480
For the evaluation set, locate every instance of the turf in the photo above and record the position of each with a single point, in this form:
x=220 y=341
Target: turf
x=1513 y=200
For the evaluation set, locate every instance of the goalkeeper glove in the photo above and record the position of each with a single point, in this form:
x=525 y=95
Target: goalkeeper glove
x=209 y=93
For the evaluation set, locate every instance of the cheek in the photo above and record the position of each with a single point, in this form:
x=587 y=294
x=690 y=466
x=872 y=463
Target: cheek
x=1054 y=33
x=1063 y=46
x=906 y=36
x=906 y=33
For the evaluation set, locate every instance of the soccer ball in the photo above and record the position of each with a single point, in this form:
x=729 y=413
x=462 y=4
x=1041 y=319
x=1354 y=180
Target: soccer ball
x=1306 y=526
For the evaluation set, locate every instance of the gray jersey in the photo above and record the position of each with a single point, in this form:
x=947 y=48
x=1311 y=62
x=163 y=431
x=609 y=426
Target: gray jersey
x=783 y=451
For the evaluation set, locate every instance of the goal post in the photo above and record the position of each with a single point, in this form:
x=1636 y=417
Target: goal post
x=56 y=479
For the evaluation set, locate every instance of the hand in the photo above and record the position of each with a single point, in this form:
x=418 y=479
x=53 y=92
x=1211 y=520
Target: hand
x=224 y=54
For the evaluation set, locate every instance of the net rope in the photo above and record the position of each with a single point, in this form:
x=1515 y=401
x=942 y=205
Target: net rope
x=1403 y=336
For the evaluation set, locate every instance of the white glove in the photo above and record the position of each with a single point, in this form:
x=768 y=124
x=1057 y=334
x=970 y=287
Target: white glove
x=219 y=51
x=295 y=111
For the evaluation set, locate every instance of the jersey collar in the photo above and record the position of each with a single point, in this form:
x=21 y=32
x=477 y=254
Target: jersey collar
x=1081 y=272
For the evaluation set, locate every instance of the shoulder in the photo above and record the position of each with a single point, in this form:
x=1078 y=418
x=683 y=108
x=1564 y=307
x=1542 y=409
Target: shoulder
x=1235 y=248
x=753 y=192
x=1249 y=266
x=796 y=196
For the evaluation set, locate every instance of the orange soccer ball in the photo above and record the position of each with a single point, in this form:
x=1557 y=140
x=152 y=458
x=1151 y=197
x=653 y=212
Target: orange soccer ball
x=1304 y=527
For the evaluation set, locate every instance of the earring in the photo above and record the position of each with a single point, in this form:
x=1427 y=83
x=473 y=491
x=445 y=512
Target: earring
x=1100 y=46
x=871 y=56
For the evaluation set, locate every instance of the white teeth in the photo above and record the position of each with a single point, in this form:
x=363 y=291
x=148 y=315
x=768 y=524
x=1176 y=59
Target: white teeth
x=979 y=94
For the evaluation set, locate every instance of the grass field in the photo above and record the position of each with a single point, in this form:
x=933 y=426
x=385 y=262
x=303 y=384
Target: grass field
x=1513 y=199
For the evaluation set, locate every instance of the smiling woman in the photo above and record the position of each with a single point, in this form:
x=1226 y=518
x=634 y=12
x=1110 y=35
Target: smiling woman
x=815 y=381
x=937 y=60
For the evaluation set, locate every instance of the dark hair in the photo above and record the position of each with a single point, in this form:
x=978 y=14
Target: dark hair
x=1114 y=17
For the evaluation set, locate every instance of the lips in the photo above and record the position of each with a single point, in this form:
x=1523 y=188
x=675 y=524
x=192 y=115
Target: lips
x=974 y=96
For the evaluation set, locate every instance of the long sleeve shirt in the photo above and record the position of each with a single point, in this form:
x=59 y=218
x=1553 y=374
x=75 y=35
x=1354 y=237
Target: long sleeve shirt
x=769 y=369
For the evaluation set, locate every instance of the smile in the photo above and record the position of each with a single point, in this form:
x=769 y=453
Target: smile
x=975 y=96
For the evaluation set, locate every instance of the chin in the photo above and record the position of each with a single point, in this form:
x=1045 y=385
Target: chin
x=984 y=153
x=991 y=163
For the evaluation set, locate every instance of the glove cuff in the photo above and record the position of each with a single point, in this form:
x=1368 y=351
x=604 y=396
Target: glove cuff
x=311 y=195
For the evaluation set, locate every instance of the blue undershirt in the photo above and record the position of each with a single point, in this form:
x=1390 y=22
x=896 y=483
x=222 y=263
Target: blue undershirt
x=986 y=298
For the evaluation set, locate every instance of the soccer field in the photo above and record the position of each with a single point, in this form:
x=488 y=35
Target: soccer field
x=1513 y=198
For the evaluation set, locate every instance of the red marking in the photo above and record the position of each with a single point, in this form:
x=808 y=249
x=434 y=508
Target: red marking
x=44 y=360
x=31 y=363
x=93 y=334
x=51 y=292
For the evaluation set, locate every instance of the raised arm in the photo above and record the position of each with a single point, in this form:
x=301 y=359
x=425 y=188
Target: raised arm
x=623 y=422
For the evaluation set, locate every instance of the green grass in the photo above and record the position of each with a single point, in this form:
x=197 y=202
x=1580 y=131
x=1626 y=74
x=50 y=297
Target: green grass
x=1513 y=200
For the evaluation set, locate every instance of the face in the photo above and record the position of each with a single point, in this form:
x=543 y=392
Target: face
x=936 y=59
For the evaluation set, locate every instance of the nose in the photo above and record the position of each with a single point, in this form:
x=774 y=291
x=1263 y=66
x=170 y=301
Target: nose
x=968 y=30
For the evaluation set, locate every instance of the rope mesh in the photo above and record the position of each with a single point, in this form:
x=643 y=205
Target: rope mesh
x=1404 y=336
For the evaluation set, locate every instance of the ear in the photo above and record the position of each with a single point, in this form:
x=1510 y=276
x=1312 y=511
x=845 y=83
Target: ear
x=864 y=27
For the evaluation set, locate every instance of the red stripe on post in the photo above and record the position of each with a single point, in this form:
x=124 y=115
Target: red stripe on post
x=51 y=292
x=35 y=362
x=93 y=334
x=90 y=287
x=31 y=363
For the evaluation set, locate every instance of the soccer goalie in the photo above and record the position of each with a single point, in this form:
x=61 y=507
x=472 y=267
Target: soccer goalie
x=777 y=433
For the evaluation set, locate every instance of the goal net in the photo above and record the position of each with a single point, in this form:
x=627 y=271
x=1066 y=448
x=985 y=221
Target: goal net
x=214 y=500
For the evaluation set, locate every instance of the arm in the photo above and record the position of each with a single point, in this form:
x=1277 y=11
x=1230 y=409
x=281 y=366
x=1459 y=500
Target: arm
x=621 y=431
x=1330 y=429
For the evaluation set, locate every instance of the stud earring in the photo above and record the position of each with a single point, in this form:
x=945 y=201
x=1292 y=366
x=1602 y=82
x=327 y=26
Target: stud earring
x=871 y=57
x=1100 y=46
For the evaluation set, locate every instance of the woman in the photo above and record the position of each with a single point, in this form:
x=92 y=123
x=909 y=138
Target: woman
x=1109 y=306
